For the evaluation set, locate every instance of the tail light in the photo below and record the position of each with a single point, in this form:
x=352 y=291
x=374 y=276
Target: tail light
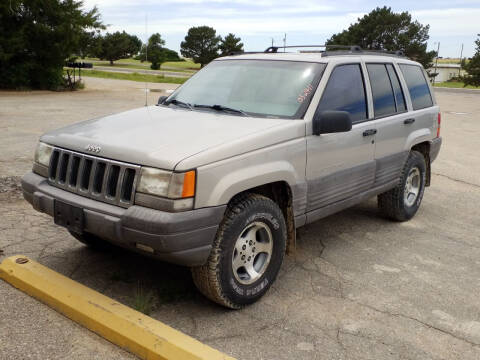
x=438 y=125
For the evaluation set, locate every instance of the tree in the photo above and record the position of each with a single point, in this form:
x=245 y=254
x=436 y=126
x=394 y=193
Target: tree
x=382 y=29
x=154 y=52
x=230 y=44
x=172 y=55
x=37 y=36
x=200 y=44
x=89 y=44
x=118 y=45
x=473 y=67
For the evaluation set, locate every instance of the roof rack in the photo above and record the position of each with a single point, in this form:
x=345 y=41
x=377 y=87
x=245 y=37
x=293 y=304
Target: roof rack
x=333 y=49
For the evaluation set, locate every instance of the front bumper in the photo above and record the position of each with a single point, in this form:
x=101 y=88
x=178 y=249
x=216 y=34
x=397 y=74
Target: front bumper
x=183 y=238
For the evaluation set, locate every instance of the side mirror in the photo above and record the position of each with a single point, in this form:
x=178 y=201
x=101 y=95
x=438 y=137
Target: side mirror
x=161 y=99
x=327 y=122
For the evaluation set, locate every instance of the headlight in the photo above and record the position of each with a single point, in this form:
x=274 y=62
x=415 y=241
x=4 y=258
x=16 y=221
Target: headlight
x=43 y=154
x=166 y=183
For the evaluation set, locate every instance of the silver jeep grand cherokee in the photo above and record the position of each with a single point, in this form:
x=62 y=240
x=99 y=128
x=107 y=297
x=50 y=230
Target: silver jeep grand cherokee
x=220 y=174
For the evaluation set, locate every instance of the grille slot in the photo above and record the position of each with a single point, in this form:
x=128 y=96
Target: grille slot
x=98 y=177
x=87 y=169
x=112 y=181
x=127 y=185
x=72 y=180
x=90 y=176
x=62 y=171
x=52 y=171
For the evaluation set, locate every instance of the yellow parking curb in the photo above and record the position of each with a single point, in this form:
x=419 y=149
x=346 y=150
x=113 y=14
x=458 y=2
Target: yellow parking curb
x=128 y=328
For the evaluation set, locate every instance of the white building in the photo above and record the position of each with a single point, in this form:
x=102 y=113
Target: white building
x=446 y=72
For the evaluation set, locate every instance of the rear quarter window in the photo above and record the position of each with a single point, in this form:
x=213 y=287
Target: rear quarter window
x=399 y=96
x=417 y=86
x=382 y=91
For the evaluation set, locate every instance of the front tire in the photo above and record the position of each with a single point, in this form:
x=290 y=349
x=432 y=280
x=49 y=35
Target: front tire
x=402 y=202
x=246 y=255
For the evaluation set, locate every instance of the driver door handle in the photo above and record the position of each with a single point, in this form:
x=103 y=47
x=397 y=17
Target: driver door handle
x=369 y=132
x=409 y=121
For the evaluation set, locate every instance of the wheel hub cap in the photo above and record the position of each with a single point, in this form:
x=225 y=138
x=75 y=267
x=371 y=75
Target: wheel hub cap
x=252 y=253
x=412 y=187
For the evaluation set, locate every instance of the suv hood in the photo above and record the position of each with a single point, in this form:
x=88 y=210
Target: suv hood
x=161 y=136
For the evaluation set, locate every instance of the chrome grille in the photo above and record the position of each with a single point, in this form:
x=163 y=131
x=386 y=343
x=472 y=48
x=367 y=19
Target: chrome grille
x=101 y=179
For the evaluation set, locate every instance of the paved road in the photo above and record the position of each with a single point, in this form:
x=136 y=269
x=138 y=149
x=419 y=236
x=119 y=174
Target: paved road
x=359 y=286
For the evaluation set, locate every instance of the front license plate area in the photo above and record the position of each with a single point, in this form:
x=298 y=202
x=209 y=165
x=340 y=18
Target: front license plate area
x=69 y=216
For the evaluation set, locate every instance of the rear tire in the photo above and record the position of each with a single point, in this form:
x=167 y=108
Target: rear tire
x=246 y=255
x=402 y=202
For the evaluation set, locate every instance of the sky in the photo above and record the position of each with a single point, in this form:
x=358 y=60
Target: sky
x=256 y=22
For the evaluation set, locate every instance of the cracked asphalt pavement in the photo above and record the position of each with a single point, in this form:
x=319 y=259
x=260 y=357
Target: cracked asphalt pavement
x=358 y=287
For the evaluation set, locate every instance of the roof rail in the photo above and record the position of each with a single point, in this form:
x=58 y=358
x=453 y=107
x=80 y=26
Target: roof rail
x=328 y=50
x=274 y=49
x=397 y=53
x=235 y=53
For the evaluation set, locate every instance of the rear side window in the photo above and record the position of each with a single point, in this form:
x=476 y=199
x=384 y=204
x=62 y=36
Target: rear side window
x=345 y=91
x=397 y=89
x=417 y=86
x=382 y=91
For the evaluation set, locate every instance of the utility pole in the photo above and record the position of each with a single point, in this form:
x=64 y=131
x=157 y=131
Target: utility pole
x=284 y=42
x=436 y=63
x=272 y=42
x=460 y=68
x=146 y=56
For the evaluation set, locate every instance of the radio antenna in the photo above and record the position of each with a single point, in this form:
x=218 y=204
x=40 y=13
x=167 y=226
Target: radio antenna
x=146 y=57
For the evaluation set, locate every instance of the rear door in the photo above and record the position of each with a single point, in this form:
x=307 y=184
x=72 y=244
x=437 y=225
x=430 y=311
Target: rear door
x=391 y=119
x=341 y=165
x=422 y=103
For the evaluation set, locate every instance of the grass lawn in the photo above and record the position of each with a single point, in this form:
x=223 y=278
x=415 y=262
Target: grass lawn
x=182 y=66
x=452 y=84
x=447 y=61
x=187 y=65
x=134 y=77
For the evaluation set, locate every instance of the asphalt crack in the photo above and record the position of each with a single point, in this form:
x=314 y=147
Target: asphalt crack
x=430 y=326
x=10 y=184
x=456 y=180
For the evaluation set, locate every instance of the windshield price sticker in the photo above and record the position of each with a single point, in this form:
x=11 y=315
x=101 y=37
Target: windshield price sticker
x=305 y=93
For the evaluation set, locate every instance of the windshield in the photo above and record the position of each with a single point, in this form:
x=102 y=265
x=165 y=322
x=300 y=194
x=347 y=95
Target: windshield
x=280 y=89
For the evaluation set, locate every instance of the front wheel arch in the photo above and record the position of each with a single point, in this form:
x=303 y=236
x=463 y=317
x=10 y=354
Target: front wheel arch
x=281 y=193
x=216 y=279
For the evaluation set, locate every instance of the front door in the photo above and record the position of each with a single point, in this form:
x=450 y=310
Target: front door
x=341 y=165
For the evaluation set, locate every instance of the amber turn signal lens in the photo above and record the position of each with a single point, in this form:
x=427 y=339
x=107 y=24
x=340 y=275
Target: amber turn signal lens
x=189 y=184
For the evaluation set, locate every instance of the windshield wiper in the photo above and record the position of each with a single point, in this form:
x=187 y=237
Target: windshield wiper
x=221 y=108
x=180 y=103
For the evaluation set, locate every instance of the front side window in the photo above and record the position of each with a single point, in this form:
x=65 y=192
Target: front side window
x=345 y=91
x=280 y=89
x=417 y=86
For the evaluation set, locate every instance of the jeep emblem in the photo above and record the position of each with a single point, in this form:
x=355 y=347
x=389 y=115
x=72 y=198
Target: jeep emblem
x=93 y=148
